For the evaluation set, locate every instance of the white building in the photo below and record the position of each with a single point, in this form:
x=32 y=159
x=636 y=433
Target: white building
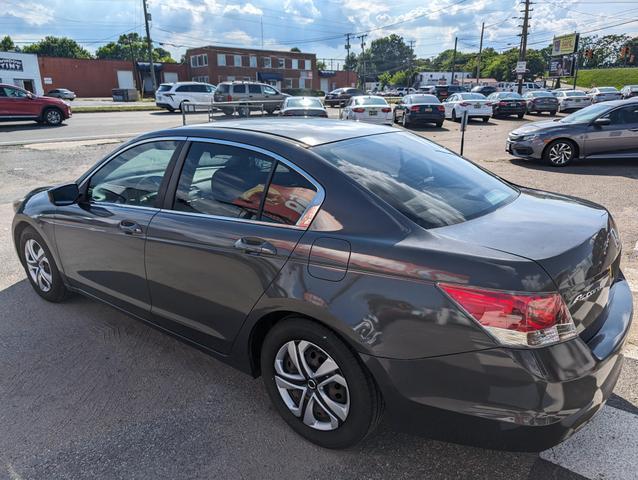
x=22 y=70
x=442 y=78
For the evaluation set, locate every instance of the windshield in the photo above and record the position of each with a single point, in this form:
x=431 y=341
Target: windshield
x=586 y=115
x=425 y=182
x=574 y=94
x=370 y=101
x=303 y=102
x=607 y=90
x=472 y=96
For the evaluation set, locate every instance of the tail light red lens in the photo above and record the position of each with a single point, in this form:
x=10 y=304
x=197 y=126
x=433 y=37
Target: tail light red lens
x=516 y=319
x=441 y=108
x=359 y=109
x=502 y=104
x=229 y=98
x=388 y=109
x=415 y=108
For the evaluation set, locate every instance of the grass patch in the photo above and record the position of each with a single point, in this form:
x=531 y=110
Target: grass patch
x=605 y=77
x=119 y=108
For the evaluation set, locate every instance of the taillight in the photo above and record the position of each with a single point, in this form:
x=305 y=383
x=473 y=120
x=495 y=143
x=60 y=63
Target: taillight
x=388 y=109
x=502 y=104
x=516 y=319
x=441 y=108
x=359 y=109
x=229 y=98
x=415 y=108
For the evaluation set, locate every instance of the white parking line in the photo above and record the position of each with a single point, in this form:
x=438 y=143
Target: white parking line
x=604 y=449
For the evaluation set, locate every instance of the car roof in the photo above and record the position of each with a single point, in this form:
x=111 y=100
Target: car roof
x=307 y=131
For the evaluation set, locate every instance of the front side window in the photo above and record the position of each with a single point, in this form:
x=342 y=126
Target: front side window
x=134 y=176
x=13 y=92
x=624 y=116
x=222 y=180
x=270 y=91
x=254 y=89
x=431 y=186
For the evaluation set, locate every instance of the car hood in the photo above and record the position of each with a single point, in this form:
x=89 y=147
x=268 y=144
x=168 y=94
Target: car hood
x=573 y=240
x=536 y=126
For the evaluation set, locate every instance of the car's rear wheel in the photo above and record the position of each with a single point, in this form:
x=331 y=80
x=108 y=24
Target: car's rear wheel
x=52 y=116
x=228 y=111
x=40 y=267
x=170 y=109
x=439 y=124
x=404 y=121
x=520 y=115
x=552 y=113
x=559 y=153
x=454 y=117
x=485 y=119
x=317 y=384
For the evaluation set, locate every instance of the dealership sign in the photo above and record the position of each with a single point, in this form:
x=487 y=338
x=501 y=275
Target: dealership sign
x=562 y=66
x=11 y=64
x=565 y=45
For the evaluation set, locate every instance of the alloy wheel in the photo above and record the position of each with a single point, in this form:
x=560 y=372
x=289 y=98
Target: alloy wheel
x=561 y=153
x=53 y=117
x=311 y=385
x=38 y=265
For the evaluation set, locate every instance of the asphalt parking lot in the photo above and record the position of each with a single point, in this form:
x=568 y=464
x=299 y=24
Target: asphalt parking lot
x=87 y=392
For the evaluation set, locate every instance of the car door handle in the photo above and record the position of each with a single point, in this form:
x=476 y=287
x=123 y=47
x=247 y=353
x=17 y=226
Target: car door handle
x=130 y=227
x=255 y=245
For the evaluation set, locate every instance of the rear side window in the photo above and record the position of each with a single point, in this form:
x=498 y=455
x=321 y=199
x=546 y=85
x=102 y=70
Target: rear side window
x=200 y=88
x=254 y=89
x=289 y=195
x=431 y=186
x=239 y=88
x=184 y=88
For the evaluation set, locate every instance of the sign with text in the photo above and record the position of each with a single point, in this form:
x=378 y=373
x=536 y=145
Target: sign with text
x=11 y=64
x=562 y=66
x=521 y=67
x=565 y=44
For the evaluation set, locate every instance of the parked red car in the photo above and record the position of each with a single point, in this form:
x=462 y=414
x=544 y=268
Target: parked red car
x=19 y=104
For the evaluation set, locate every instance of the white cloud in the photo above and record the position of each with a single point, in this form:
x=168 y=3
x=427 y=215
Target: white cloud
x=239 y=36
x=304 y=11
x=248 y=9
x=30 y=12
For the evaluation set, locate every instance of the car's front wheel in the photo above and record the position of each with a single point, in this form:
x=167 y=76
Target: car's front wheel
x=559 y=153
x=53 y=116
x=40 y=267
x=317 y=384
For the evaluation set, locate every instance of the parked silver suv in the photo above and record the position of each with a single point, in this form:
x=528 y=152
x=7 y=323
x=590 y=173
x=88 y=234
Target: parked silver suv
x=261 y=93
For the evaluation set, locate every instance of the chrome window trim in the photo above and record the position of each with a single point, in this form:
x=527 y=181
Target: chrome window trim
x=308 y=214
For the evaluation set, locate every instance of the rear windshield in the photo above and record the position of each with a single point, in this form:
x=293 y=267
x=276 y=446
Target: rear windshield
x=508 y=95
x=472 y=96
x=607 y=89
x=574 y=94
x=370 y=101
x=540 y=94
x=304 y=102
x=424 y=99
x=430 y=185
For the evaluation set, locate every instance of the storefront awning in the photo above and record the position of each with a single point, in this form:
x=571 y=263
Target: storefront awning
x=265 y=76
x=146 y=66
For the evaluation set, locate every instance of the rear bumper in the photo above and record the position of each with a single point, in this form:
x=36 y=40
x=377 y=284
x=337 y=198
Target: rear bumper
x=522 y=400
x=426 y=117
x=509 y=110
x=549 y=107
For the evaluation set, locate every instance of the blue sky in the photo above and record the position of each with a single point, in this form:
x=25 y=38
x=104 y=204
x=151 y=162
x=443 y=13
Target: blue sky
x=317 y=26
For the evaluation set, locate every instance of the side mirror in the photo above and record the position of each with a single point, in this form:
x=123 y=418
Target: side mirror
x=601 y=122
x=64 y=195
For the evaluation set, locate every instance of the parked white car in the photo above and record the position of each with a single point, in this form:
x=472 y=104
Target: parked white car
x=604 y=94
x=629 y=91
x=172 y=96
x=368 y=108
x=513 y=87
x=476 y=105
x=572 y=100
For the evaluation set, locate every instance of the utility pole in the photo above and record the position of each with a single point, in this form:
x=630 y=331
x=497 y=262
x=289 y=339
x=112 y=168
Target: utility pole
x=523 y=51
x=363 y=60
x=348 y=35
x=409 y=79
x=454 y=60
x=150 y=49
x=478 y=59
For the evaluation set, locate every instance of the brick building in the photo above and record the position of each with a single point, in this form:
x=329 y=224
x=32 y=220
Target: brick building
x=280 y=69
x=332 y=79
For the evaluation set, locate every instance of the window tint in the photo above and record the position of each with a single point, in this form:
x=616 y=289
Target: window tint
x=303 y=102
x=13 y=92
x=222 y=180
x=164 y=87
x=270 y=91
x=252 y=88
x=222 y=88
x=184 y=88
x=133 y=177
x=289 y=194
x=624 y=116
x=370 y=101
x=424 y=99
x=239 y=88
x=428 y=184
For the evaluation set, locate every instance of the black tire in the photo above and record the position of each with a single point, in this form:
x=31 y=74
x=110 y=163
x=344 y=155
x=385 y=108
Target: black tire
x=52 y=116
x=520 y=115
x=552 y=113
x=404 y=121
x=228 y=111
x=170 y=109
x=269 y=112
x=57 y=291
x=439 y=124
x=394 y=117
x=365 y=403
x=486 y=119
x=454 y=117
x=555 y=153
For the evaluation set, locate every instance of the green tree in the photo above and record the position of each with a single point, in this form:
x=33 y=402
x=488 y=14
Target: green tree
x=389 y=54
x=385 y=79
x=400 y=78
x=295 y=49
x=58 y=47
x=321 y=65
x=351 y=62
x=132 y=46
x=7 y=45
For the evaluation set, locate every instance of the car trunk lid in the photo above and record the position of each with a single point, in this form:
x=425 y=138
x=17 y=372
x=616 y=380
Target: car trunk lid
x=574 y=241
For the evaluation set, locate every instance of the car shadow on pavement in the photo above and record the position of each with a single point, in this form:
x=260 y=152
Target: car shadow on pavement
x=18 y=127
x=87 y=389
x=613 y=167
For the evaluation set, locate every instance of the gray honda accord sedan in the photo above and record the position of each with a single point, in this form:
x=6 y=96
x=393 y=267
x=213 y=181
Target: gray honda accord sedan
x=358 y=269
x=602 y=131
